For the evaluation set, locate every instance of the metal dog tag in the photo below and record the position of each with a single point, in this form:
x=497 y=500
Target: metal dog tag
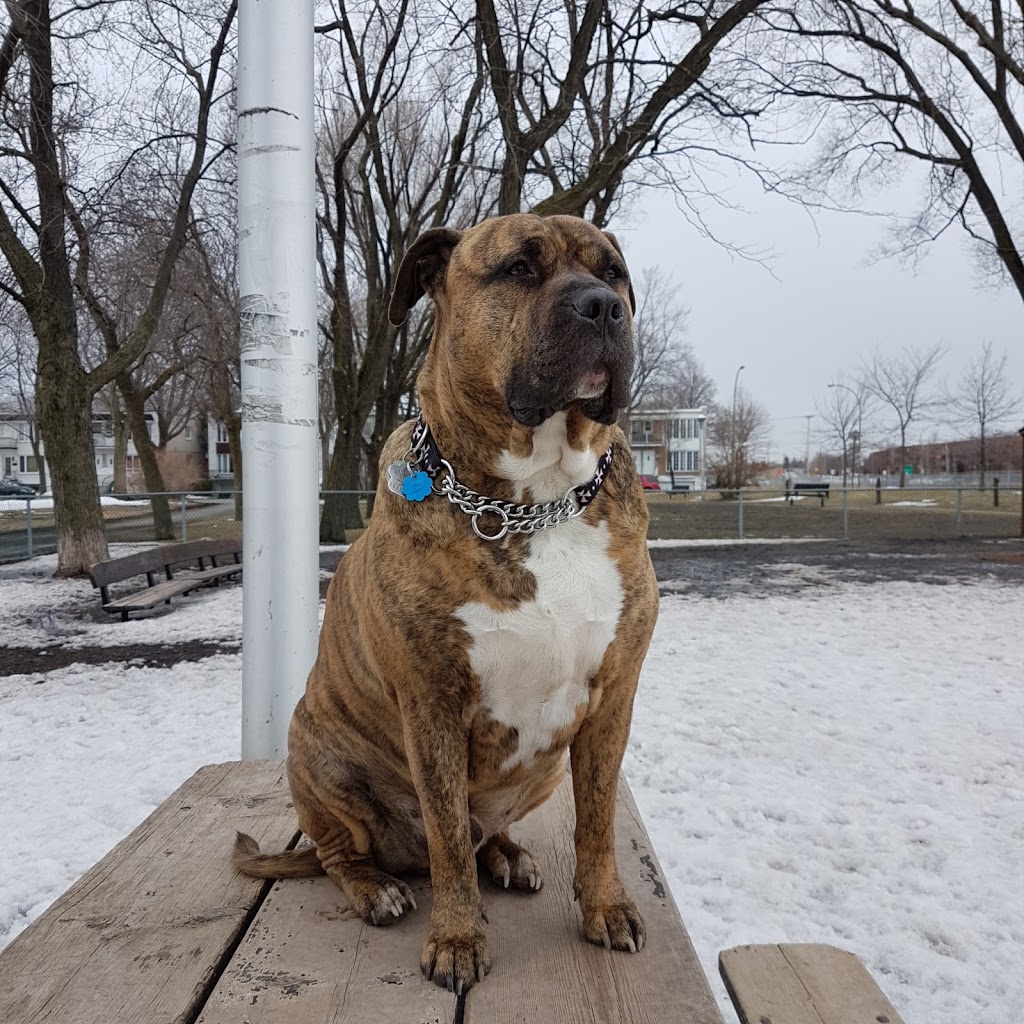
x=397 y=472
x=408 y=482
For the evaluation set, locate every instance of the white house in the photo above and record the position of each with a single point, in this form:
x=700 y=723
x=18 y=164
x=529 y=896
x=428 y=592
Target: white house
x=669 y=444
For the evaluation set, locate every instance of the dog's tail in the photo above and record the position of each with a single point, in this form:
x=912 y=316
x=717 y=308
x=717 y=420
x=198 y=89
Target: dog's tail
x=247 y=858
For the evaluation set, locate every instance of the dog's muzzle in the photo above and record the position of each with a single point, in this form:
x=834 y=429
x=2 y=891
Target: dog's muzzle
x=583 y=353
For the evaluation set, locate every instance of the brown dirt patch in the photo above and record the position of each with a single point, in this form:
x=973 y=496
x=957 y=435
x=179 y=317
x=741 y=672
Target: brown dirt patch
x=28 y=660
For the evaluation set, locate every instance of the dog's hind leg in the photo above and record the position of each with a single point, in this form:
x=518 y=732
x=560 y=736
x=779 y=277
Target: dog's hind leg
x=375 y=896
x=511 y=865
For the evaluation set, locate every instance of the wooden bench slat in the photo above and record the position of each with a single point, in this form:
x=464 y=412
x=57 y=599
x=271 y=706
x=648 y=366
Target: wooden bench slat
x=544 y=970
x=114 y=570
x=216 y=572
x=150 y=597
x=306 y=959
x=304 y=962
x=803 y=984
x=142 y=935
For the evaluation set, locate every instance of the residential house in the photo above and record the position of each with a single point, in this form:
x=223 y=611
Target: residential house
x=670 y=444
x=181 y=461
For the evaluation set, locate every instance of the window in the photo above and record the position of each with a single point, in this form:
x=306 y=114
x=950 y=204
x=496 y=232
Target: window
x=27 y=464
x=222 y=433
x=223 y=463
x=648 y=426
x=188 y=433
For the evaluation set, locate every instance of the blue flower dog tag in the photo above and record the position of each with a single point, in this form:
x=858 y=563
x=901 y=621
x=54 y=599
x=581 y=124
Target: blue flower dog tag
x=405 y=480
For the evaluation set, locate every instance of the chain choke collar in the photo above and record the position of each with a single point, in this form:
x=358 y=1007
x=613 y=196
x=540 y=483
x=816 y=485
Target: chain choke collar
x=422 y=471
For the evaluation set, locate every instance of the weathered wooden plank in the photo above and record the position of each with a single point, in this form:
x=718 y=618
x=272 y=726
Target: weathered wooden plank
x=544 y=970
x=150 y=597
x=305 y=960
x=142 y=935
x=803 y=984
x=114 y=570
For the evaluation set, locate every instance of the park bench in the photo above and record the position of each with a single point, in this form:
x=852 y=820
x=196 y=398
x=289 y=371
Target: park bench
x=817 y=490
x=164 y=931
x=169 y=571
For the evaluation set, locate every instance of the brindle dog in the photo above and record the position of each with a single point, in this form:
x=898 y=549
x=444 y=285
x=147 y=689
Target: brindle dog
x=454 y=673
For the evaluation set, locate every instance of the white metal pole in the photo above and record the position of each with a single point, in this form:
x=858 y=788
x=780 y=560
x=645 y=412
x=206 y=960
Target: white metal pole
x=277 y=286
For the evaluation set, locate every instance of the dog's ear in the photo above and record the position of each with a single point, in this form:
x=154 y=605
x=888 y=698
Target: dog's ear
x=422 y=270
x=618 y=248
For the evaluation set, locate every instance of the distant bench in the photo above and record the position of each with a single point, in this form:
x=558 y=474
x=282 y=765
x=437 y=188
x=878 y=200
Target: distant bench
x=817 y=490
x=170 y=570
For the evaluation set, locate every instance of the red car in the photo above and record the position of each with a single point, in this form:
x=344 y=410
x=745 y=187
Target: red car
x=650 y=483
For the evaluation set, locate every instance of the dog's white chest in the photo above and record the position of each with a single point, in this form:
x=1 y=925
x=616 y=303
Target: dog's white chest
x=536 y=661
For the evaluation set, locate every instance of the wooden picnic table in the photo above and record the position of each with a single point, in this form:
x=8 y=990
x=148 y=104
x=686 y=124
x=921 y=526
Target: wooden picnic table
x=164 y=930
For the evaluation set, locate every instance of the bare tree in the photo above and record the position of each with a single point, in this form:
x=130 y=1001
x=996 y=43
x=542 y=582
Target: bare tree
x=935 y=83
x=659 y=330
x=588 y=94
x=399 y=152
x=210 y=264
x=983 y=398
x=733 y=435
x=17 y=377
x=900 y=382
x=53 y=187
x=843 y=416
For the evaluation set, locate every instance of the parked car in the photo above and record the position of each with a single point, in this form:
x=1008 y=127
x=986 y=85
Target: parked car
x=12 y=489
x=649 y=482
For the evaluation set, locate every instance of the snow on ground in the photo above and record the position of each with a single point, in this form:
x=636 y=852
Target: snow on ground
x=842 y=764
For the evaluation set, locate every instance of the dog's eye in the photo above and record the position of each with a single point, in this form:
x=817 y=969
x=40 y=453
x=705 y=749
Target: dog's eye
x=519 y=269
x=614 y=273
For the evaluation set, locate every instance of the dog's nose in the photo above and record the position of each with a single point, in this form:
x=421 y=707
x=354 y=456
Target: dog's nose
x=599 y=305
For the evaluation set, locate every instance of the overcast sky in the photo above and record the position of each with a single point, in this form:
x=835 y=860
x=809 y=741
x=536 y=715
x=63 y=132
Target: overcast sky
x=827 y=307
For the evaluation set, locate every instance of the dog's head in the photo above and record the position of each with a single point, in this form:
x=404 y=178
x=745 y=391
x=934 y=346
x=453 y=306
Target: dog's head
x=534 y=314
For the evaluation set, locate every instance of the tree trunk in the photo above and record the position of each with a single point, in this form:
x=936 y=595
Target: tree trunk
x=341 y=511
x=67 y=433
x=982 y=460
x=163 y=526
x=65 y=402
x=903 y=458
x=234 y=429
x=120 y=484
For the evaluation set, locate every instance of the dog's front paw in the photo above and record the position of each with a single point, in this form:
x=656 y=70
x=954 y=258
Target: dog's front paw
x=511 y=865
x=377 y=897
x=615 y=925
x=455 y=962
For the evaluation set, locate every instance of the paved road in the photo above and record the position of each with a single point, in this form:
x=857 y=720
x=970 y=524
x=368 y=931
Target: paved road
x=719 y=571
x=761 y=570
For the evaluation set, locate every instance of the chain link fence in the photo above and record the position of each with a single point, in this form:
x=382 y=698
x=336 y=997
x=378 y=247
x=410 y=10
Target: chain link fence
x=852 y=513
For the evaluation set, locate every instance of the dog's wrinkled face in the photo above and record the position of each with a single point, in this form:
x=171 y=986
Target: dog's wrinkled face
x=534 y=314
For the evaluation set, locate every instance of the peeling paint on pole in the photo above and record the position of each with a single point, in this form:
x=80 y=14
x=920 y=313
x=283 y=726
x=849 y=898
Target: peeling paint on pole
x=277 y=280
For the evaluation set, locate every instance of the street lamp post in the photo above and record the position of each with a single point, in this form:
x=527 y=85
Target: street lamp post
x=860 y=414
x=732 y=429
x=1021 y=432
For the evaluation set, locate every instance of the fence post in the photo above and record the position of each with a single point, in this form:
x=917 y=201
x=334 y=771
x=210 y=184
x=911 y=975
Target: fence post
x=960 y=511
x=846 y=514
x=739 y=512
x=995 y=492
x=878 y=490
x=184 y=521
x=28 y=525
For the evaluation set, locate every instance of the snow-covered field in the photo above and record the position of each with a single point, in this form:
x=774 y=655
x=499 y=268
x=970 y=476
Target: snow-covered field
x=840 y=764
